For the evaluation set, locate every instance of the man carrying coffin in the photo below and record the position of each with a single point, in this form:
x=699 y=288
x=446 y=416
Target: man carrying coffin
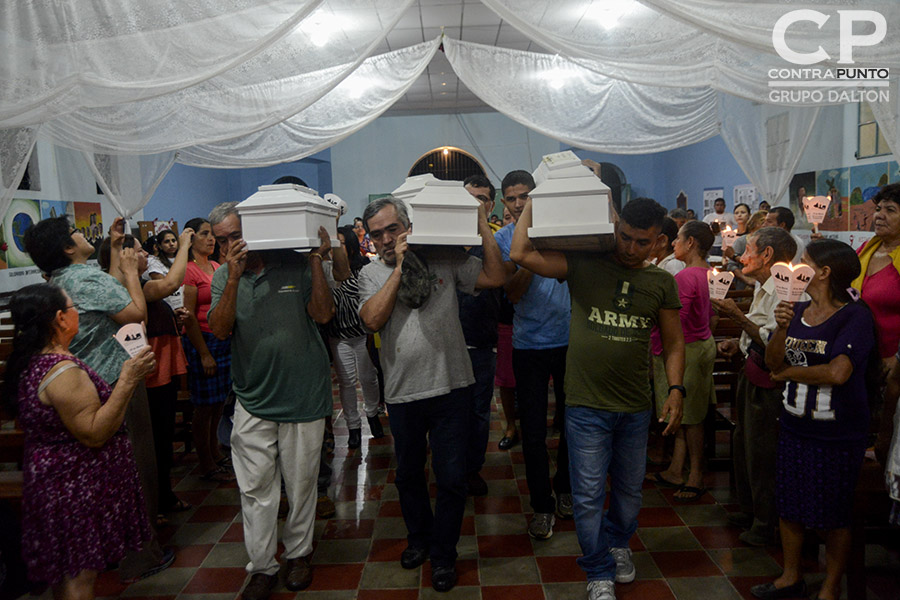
x=410 y=298
x=617 y=298
x=270 y=301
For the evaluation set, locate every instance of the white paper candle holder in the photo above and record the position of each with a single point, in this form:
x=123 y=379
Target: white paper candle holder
x=286 y=216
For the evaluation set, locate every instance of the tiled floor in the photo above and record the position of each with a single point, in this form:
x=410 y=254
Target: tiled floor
x=680 y=551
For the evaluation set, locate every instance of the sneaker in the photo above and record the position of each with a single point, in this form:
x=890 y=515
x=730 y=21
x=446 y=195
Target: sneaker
x=541 y=526
x=601 y=589
x=565 y=506
x=624 y=566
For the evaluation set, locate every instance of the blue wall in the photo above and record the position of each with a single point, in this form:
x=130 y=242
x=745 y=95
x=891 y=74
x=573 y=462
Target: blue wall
x=188 y=192
x=663 y=175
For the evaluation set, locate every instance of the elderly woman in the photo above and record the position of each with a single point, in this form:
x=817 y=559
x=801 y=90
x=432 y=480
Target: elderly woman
x=104 y=304
x=83 y=508
x=880 y=277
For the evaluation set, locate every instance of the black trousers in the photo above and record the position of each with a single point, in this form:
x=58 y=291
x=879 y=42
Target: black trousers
x=533 y=369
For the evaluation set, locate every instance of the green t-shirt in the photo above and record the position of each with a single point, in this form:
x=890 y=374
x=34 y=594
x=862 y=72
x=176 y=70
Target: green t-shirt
x=279 y=365
x=613 y=310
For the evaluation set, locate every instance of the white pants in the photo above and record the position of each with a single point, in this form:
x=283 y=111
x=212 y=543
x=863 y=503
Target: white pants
x=352 y=362
x=263 y=452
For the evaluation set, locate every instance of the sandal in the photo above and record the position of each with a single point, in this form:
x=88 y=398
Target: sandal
x=219 y=475
x=662 y=481
x=179 y=506
x=694 y=492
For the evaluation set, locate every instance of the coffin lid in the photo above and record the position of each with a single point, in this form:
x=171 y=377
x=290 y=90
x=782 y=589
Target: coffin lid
x=572 y=186
x=285 y=196
x=443 y=194
x=560 y=165
x=413 y=185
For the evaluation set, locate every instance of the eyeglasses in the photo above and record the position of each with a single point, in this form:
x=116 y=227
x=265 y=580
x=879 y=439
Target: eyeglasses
x=70 y=306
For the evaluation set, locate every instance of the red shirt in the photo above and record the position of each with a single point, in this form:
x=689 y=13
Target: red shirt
x=880 y=291
x=195 y=276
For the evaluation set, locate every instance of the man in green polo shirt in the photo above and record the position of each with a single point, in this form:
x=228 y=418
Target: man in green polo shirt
x=270 y=301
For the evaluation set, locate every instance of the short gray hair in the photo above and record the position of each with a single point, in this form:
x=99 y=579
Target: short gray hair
x=678 y=213
x=375 y=207
x=782 y=243
x=223 y=211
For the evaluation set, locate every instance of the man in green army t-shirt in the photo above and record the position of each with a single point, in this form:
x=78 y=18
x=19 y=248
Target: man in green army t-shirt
x=617 y=298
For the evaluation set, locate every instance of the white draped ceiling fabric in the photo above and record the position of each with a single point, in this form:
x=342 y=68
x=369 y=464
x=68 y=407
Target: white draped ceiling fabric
x=238 y=83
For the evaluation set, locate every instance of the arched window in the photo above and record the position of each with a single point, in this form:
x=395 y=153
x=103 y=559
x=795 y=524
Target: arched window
x=447 y=163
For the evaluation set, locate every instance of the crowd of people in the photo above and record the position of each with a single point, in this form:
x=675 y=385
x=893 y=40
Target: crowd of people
x=625 y=337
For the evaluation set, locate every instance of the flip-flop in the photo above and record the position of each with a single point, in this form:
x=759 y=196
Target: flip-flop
x=662 y=482
x=179 y=506
x=694 y=491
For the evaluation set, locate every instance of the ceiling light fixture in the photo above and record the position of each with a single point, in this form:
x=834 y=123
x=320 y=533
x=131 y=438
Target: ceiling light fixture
x=320 y=27
x=609 y=12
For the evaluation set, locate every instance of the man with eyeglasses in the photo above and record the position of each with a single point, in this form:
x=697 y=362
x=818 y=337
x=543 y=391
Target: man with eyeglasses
x=271 y=301
x=410 y=298
x=540 y=342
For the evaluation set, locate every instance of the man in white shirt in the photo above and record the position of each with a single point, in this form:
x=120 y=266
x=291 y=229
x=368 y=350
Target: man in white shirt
x=721 y=220
x=758 y=399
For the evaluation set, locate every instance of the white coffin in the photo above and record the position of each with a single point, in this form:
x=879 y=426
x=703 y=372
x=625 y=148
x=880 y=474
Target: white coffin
x=571 y=207
x=411 y=188
x=445 y=215
x=286 y=216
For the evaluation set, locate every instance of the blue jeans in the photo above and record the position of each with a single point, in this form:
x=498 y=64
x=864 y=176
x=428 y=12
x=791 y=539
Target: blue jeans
x=605 y=443
x=440 y=423
x=484 y=364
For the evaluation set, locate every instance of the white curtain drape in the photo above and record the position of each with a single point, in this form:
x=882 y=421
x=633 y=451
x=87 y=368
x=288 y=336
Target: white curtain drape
x=105 y=168
x=62 y=56
x=887 y=115
x=16 y=146
x=681 y=43
x=281 y=82
x=767 y=141
x=750 y=24
x=581 y=107
x=356 y=101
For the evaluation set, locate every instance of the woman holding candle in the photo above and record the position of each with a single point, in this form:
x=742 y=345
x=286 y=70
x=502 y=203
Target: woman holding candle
x=825 y=352
x=692 y=244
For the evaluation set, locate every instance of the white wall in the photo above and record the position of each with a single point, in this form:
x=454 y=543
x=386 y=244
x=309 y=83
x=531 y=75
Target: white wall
x=377 y=159
x=64 y=175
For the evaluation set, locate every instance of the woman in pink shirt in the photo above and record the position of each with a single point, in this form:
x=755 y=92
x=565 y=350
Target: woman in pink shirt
x=879 y=280
x=209 y=358
x=691 y=246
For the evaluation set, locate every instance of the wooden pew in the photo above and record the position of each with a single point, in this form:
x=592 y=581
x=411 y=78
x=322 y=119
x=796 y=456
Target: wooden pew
x=725 y=377
x=12 y=439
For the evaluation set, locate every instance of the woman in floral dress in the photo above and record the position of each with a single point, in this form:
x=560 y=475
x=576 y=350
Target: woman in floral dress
x=83 y=507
